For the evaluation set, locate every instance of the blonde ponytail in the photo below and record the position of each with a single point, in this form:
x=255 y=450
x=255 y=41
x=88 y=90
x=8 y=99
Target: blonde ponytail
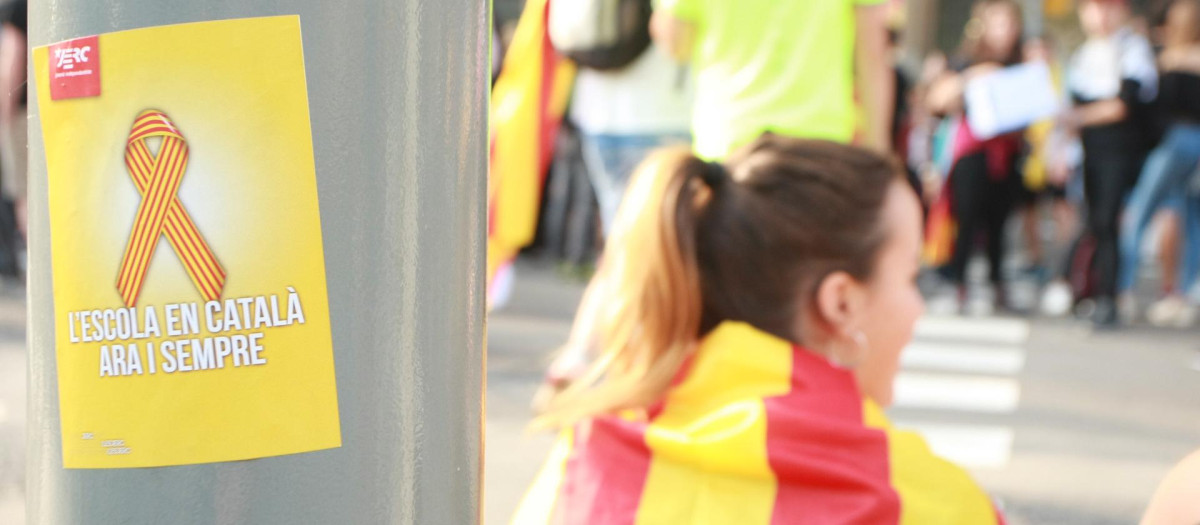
x=695 y=245
x=641 y=312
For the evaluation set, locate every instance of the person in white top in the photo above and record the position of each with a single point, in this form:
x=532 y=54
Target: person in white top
x=1112 y=79
x=622 y=115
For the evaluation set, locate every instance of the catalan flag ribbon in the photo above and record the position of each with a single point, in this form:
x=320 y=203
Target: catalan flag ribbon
x=157 y=176
x=758 y=431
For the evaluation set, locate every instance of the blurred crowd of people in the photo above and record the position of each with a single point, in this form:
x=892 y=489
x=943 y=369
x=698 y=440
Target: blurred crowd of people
x=1119 y=153
x=1092 y=185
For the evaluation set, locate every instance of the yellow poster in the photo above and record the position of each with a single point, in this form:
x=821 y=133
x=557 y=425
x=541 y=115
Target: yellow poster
x=191 y=317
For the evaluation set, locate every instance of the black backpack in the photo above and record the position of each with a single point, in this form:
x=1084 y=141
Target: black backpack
x=600 y=34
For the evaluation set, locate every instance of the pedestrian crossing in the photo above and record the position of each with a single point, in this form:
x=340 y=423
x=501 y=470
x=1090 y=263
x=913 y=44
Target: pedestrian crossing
x=979 y=394
x=959 y=386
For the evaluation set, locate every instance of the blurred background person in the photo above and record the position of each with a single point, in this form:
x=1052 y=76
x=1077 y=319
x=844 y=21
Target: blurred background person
x=13 y=122
x=754 y=317
x=790 y=68
x=923 y=125
x=1167 y=173
x=753 y=64
x=982 y=178
x=1052 y=159
x=629 y=98
x=1112 y=79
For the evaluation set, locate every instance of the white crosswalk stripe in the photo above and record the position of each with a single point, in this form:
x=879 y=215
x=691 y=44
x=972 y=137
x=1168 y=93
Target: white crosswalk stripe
x=975 y=446
x=956 y=392
x=981 y=330
x=981 y=359
x=960 y=368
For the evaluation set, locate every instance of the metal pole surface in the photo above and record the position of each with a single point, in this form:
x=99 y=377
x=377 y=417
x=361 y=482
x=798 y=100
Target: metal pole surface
x=398 y=101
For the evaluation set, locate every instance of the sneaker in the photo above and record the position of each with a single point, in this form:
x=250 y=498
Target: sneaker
x=1166 y=311
x=1085 y=309
x=1127 y=308
x=944 y=300
x=1188 y=315
x=1105 y=316
x=1057 y=299
x=1000 y=299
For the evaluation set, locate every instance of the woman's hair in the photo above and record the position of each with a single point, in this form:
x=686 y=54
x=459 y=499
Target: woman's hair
x=697 y=243
x=974 y=48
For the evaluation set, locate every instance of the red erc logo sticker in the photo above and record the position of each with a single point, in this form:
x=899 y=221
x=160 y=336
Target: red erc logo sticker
x=75 y=68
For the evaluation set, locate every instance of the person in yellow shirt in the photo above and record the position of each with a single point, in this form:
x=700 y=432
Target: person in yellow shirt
x=790 y=68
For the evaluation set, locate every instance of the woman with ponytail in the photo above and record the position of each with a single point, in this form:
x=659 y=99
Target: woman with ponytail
x=745 y=326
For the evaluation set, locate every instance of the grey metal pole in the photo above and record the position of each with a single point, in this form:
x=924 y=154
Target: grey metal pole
x=398 y=96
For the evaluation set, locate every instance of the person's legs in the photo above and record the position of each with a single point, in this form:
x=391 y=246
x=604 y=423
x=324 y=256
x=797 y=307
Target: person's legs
x=1190 y=263
x=556 y=199
x=1175 y=310
x=1189 y=267
x=1030 y=217
x=600 y=155
x=1066 y=223
x=999 y=207
x=968 y=182
x=612 y=160
x=1106 y=180
x=13 y=178
x=16 y=181
x=1178 y=307
x=1169 y=236
x=580 y=244
x=1160 y=177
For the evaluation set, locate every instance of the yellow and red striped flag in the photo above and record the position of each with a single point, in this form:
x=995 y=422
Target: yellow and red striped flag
x=757 y=431
x=528 y=102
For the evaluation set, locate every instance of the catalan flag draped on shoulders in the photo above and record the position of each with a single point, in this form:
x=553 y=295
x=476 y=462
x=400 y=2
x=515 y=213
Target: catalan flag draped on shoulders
x=528 y=102
x=756 y=431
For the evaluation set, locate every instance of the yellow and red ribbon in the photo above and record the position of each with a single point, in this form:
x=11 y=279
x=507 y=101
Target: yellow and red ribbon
x=157 y=177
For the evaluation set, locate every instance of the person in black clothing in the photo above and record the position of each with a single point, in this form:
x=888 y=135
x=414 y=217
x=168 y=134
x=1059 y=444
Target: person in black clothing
x=1170 y=166
x=1112 y=79
x=983 y=174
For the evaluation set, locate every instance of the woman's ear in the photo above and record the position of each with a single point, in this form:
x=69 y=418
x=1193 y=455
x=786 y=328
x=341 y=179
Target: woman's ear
x=839 y=305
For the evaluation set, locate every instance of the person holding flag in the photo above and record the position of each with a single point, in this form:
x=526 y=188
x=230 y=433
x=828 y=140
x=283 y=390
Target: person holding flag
x=748 y=322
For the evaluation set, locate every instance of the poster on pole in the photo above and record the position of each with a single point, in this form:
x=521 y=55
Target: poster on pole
x=190 y=308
